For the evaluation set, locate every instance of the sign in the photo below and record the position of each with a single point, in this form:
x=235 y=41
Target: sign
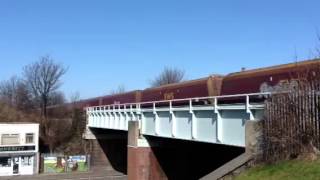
x=17 y=148
x=168 y=96
x=63 y=164
x=77 y=163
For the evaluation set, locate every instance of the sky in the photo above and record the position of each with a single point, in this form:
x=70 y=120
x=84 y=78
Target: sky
x=108 y=43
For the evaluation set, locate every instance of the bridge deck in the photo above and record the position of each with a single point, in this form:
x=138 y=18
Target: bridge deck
x=210 y=122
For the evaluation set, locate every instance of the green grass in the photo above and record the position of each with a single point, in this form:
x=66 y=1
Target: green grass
x=82 y=166
x=51 y=168
x=287 y=170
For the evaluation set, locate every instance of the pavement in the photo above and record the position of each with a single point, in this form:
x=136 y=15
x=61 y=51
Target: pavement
x=92 y=175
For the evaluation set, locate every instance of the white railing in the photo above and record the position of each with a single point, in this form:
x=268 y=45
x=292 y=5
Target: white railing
x=136 y=107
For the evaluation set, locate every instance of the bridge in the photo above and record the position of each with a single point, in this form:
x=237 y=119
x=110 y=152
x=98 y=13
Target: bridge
x=213 y=119
x=208 y=125
x=210 y=122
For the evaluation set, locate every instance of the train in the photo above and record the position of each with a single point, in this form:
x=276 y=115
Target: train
x=242 y=82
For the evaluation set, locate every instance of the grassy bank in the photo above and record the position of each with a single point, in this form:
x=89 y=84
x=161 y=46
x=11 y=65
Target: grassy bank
x=293 y=170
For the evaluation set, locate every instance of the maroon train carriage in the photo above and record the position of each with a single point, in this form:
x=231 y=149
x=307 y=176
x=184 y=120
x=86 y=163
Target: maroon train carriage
x=123 y=98
x=209 y=86
x=245 y=82
x=90 y=102
x=267 y=79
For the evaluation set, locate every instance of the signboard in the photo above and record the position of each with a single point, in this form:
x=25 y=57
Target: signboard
x=62 y=164
x=17 y=148
x=77 y=163
x=54 y=164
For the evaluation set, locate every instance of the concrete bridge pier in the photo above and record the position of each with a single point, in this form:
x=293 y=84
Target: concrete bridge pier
x=142 y=162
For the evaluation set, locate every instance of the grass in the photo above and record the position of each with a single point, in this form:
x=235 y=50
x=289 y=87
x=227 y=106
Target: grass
x=51 y=168
x=82 y=166
x=286 y=170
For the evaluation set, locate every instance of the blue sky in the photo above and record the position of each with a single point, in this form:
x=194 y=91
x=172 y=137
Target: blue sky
x=111 y=42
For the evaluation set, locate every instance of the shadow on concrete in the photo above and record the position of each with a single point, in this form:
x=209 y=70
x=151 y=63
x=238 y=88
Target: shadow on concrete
x=190 y=160
x=111 y=151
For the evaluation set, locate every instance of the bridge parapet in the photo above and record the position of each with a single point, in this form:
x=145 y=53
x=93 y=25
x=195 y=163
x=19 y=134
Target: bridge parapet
x=214 y=119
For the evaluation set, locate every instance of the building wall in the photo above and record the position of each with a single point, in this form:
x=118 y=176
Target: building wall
x=20 y=154
x=22 y=130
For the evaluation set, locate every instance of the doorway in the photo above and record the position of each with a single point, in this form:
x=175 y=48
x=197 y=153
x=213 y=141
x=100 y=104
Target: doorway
x=15 y=165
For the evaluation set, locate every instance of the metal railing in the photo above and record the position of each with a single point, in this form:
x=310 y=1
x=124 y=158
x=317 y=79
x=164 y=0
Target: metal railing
x=136 y=107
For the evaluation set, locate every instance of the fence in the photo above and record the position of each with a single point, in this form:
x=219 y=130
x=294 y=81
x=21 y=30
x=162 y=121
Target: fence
x=291 y=124
x=59 y=163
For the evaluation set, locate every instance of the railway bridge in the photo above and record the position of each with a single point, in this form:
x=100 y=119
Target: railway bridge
x=217 y=120
x=184 y=119
x=199 y=129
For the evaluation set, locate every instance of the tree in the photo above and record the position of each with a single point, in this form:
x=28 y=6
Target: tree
x=120 y=89
x=168 y=76
x=74 y=98
x=318 y=46
x=8 y=90
x=57 y=132
x=56 y=98
x=43 y=78
x=15 y=93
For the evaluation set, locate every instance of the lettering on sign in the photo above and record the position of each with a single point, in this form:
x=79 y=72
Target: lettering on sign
x=17 y=148
x=168 y=96
x=116 y=102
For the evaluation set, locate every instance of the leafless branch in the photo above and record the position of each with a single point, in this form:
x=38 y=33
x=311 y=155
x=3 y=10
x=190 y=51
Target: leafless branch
x=15 y=93
x=168 y=76
x=120 y=89
x=43 y=78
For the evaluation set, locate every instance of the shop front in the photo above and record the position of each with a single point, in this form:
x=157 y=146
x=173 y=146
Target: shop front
x=18 y=149
x=17 y=165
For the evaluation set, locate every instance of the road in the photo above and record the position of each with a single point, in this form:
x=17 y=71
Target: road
x=71 y=176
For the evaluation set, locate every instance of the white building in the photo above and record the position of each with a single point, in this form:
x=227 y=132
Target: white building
x=19 y=146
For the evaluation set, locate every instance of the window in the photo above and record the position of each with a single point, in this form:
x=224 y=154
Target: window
x=26 y=160
x=29 y=138
x=10 y=139
x=5 y=162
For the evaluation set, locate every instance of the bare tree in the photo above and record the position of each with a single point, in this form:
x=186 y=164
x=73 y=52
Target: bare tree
x=74 y=97
x=58 y=131
x=56 y=98
x=120 y=89
x=15 y=93
x=318 y=46
x=76 y=113
x=168 y=76
x=8 y=90
x=43 y=78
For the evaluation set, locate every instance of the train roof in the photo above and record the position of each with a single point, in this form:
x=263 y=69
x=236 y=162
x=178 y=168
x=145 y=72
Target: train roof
x=274 y=69
x=110 y=95
x=188 y=82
